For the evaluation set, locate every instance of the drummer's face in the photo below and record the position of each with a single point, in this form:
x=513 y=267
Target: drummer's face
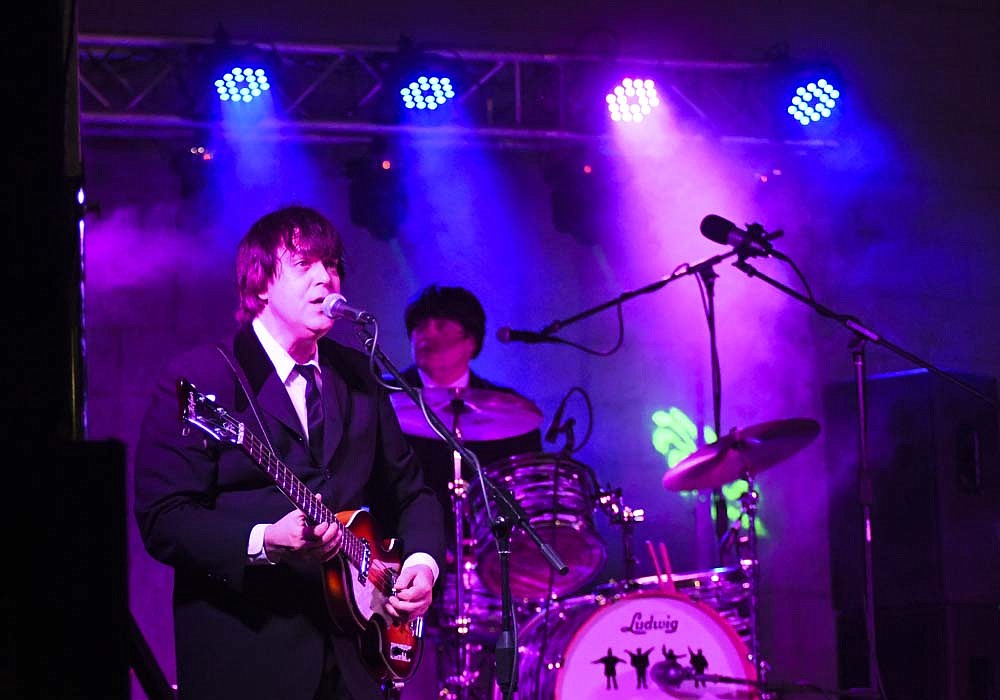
x=442 y=348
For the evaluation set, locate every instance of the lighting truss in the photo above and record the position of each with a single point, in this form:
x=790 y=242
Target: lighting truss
x=149 y=87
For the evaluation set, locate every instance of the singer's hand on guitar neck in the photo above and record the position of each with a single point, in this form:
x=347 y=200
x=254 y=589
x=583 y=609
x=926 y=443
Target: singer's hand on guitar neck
x=293 y=537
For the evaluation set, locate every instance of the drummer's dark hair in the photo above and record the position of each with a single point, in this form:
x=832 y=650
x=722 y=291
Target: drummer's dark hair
x=455 y=303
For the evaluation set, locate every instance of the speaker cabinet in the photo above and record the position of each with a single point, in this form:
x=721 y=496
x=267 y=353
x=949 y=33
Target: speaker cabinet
x=935 y=478
x=935 y=517
x=72 y=615
x=937 y=652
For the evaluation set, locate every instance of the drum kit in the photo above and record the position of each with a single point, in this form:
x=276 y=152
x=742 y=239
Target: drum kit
x=700 y=628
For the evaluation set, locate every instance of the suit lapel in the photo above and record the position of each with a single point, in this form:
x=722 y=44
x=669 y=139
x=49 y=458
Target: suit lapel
x=341 y=389
x=336 y=413
x=274 y=399
x=340 y=395
x=270 y=392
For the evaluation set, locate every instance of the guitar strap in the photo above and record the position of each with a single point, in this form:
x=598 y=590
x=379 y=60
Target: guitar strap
x=241 y=378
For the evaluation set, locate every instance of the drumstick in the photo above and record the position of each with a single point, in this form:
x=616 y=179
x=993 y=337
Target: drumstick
x=666 y=565
x=656 y=562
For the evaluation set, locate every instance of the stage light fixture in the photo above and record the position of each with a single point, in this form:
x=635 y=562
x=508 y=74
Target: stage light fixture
x=376 y=193
x=581 y=196
x=242 y=84
x=632 y=100
x=196 y=166
x=813 y=101
x=238 y=73
x=424 y=85
x=808 y=99
x=427 y=92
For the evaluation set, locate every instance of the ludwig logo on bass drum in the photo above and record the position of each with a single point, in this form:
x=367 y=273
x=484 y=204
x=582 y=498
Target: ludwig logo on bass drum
x=640 y=625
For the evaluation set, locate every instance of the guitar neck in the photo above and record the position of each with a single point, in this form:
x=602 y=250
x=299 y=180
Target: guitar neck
x=359 y=570
x=354 y=548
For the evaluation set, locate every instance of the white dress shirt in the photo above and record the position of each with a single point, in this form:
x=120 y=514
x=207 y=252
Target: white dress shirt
x=295 y=385
x=460 y=383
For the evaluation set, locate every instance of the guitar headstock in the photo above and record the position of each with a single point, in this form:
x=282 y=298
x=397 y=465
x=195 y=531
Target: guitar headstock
x=202 y=411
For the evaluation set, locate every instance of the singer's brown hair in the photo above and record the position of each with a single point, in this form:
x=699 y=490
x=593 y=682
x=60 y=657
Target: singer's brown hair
x=297 y=228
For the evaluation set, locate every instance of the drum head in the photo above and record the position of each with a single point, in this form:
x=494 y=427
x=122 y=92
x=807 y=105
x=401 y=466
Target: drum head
x=648 y=645
x=557 y=494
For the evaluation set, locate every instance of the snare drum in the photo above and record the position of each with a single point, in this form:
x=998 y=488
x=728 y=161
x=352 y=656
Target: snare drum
x=559 y=496
x=645 y=644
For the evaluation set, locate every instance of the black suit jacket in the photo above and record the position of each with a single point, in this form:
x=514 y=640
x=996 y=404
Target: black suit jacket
x=259 y=631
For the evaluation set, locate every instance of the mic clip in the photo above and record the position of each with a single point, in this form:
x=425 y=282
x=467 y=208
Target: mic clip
x=553 y=432
x=567 y=430
x=758 y=235
x=563 y=429
x=757 y=242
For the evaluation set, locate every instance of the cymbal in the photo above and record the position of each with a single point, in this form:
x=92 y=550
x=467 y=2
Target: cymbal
x=743 y=451
x=473 y=414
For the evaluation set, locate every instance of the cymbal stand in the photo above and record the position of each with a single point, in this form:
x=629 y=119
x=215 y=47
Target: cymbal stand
x=749 y=501
x=751 y=564
x=610 y=501
x=463 y=677
x=509 y=514
x=861 y=335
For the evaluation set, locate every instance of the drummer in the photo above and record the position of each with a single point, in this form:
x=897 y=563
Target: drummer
x=446 y=327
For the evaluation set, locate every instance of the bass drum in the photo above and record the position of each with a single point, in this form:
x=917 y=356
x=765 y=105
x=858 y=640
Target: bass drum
x=725 y=589
x=645 y=644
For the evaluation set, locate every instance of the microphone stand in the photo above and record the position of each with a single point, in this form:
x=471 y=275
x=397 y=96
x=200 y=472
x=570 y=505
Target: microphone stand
x=708 y=276
x=767 y=689
x=512 y=515
x=706 y=270
x=684 y=271
x=862 y=334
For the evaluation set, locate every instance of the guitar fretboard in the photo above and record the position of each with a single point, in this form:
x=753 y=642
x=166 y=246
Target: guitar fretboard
x=354 y=548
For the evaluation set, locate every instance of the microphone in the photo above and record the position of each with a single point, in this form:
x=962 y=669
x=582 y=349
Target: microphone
x=553 y=432
x=336 y=306
x=506 y=335
x=724 y=231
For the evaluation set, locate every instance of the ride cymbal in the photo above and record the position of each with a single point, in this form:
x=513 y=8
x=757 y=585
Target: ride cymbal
x=473 y=414
x=742 y=452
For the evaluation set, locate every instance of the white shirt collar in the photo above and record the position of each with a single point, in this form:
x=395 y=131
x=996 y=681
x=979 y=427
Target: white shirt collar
x=282 y=361
x=460 y=383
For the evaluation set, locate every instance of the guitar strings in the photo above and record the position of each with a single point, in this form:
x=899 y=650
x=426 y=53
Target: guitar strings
x=382 y=576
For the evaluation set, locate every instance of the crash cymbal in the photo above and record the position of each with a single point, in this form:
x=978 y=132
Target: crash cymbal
x=473 y=414
x=743 y=451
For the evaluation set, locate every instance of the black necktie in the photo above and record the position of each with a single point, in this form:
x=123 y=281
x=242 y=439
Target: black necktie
x=314 y=410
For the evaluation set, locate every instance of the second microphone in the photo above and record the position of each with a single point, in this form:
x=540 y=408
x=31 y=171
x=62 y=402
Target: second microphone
x=507 y=335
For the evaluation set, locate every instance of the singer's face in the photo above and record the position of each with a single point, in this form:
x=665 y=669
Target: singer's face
x=442 y=348
x=294 y=310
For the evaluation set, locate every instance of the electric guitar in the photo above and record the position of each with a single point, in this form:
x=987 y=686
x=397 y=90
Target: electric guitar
x=360 y=578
